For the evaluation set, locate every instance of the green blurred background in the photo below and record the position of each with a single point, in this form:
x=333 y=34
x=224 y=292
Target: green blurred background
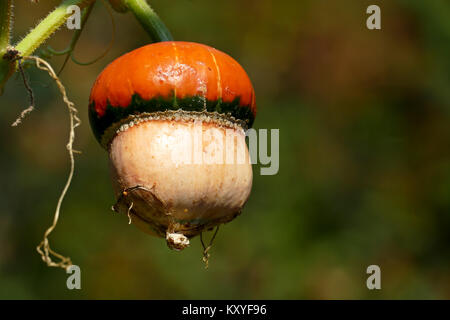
x=364 y=119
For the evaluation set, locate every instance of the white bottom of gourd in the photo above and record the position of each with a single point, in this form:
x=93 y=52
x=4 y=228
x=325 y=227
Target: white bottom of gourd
x=177 y=177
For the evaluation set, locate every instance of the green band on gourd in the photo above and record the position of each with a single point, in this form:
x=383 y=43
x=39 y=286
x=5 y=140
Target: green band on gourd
x=116 y=115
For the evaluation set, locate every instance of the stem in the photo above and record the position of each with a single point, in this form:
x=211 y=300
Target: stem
x=34 y=38
x=140 y=8
x=6 y=18
x=6 y=7
x=47 y=26
x=149 y=20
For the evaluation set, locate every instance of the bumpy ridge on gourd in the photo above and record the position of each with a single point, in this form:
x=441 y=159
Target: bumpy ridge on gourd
x=218 y=119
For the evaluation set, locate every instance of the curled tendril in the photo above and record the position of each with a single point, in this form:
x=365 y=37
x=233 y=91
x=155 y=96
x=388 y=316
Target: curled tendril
x=49 y=52
x=206 y=254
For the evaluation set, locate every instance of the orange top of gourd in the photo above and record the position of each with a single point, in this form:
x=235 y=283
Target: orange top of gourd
x=169 y=76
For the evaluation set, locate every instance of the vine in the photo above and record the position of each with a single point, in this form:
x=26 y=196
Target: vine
x=13 y=57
